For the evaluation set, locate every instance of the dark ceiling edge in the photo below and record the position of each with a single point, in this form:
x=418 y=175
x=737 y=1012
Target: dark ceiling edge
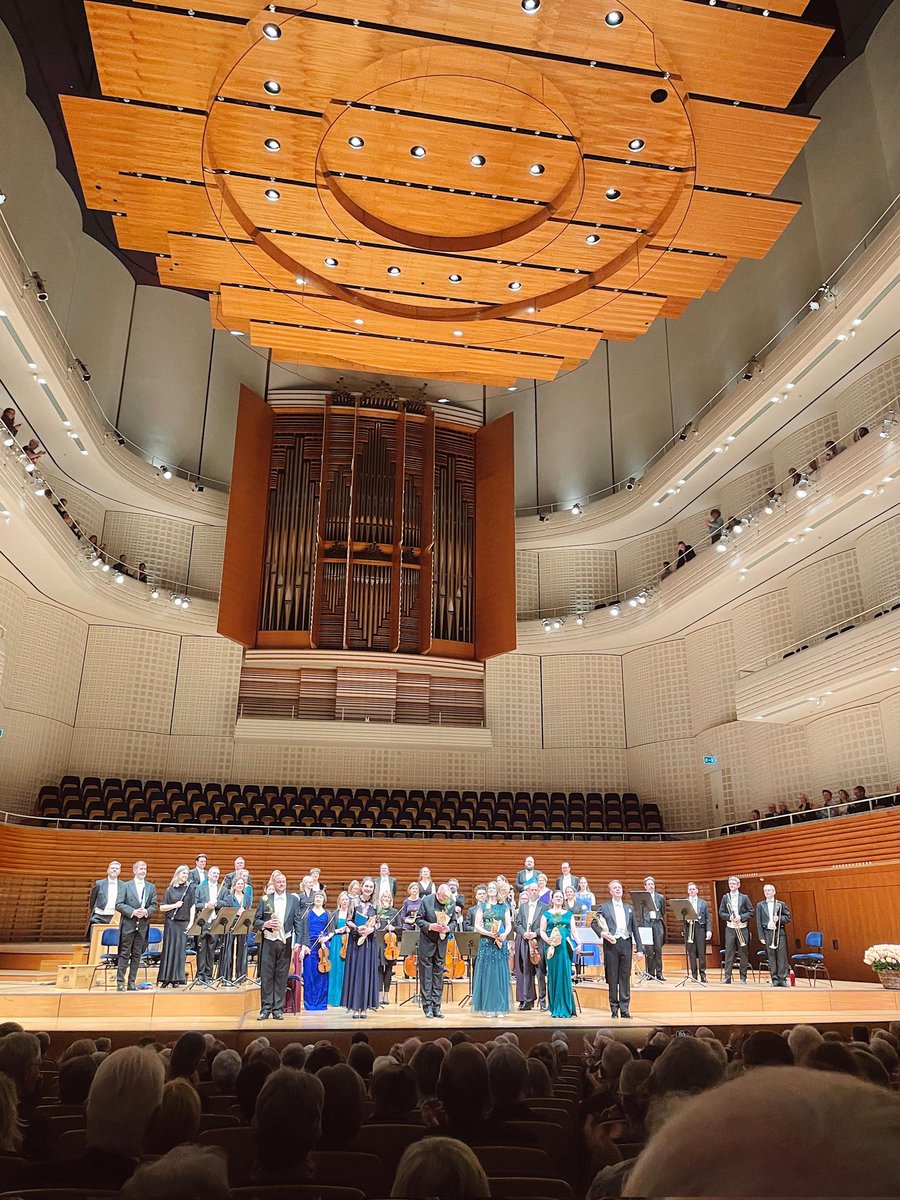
x=54 y=44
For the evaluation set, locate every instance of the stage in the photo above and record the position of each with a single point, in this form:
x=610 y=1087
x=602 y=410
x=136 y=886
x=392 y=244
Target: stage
x=35 y=1000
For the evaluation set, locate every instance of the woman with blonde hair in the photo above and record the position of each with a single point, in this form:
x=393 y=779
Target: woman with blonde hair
x=177 y=908
x=440 y=1167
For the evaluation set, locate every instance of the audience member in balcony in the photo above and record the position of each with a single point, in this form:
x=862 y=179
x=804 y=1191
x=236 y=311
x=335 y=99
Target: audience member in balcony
x=833 y=449
x=860 y=433
x=141 y=573
x=714 y=524
x=755 y=817
x=685 y=553
x=827 y=800
x=72 y=524
x=794 y=476
x=9 y=420
x=805 y=810
x=812 y=467
x=177 y=903
x=93 y=546
x=288 y=1124
x=861 y=802
x=842 y=807
x=771 y=813
x=666 y=569
x=121 y=565
x=185 y=1173
x=32 y=451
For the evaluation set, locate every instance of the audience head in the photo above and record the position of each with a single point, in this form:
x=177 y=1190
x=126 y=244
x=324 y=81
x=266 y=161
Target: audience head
x=394 y=1091
x=77 y=1049
x=766 y=1049
x=177 y=1119
x=832 y=1056
x=20 y=1059
x=539 y=1081
x=288 y=1115
x=185 y=1173
x=614 y=1057
x=818 y=1163
x=343 y=1105
x=10 y=1137
x=226 y=1067
x=323 y=1054
x=294 y=1055
x=361 y=1058
x=75 y=1078
x=440 y=1167
x=463 y=1085
x=187 y=1054
x=544 y=1051
x=507 y=1075
x=687 y=1064
x=802 y=1039
x=426 y=1065
x=253 y=1074
x=126 y=1092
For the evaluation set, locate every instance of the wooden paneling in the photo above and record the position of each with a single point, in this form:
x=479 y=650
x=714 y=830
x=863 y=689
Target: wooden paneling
x=246 y=530
x=495 y=540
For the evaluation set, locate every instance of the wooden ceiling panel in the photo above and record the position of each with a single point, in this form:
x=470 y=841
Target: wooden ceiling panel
x=559 y=88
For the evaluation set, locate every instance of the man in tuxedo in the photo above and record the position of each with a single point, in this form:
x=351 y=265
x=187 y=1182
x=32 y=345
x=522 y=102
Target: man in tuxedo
x=480 y=897
x=655 y=918
x=385 y=881
x=616 y=926
x=137 y=900
x=239 y=865
x=433 y=947
x=104 y=898
x=278 y=918
x=566 y=879
x=697 y=934
x=771 y=917
x=736 y=910
x=527 y=875
x=531 y=978
x=198 y=871
x=209 y=898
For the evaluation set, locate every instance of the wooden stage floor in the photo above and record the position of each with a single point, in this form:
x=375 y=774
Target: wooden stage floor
x=35 y=1001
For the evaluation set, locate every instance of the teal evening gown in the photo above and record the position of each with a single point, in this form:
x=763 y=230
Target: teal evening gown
x=559 y=967
x=490 y=991
x=336 y=975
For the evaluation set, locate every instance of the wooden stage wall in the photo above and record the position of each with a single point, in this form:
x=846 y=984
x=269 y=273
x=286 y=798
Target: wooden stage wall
x=841 y=876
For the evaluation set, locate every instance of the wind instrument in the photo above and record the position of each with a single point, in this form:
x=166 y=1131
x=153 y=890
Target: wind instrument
x=777 y=930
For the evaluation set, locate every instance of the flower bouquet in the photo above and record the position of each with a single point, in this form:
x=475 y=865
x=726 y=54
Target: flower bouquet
x=884 y=959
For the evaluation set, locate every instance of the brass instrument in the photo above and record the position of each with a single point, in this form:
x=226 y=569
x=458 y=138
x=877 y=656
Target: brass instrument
x=777 y=910
x=738 y=927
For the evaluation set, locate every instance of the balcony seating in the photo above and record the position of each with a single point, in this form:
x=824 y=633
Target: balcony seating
x=175 y=807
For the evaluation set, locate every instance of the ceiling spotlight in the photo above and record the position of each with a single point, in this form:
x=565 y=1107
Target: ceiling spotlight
x=614 y=610
x=2 y=196
x=272 y=194
x=166 y=472
x=558 y=622
x=119 y=577
x=546 y=624
x=642 y=596
x=29 y=467
x=738 y=527
x=514 y=286
x=443 y=399
x=272 y=144
x=9 y=440
x=824 y=293
x=477 y=160
x=579 y=618
x=393 y=270
x=355 y=142
x=40 y=488
x=543 y=515
x=236 y=332
x=632 y=603
x=592 y=239
x=752 y=367
x=154 y=593
x=331 y=262
x=96 y=561
x=358 y=321
x=418 y=151
x=636 y=144
x=272 y=86
x=185 y=602
x=887 y=425
x=272 y=31
x=536 y=169
x=71 y=433
x=629 y=483
x=613 y=18
x=576 y=509
x=175 y=599
x=40 y=288
x=300 y=280
x=78 y=365
x=801 y=491
x=613 y=193
x=457 y=333
x=531 y=6
x=455 y=278
x=722 y=546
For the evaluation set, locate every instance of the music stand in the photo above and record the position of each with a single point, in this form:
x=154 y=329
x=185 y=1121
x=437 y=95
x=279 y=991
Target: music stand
x=584 y=935
x=241 y=928
x=644 y=902
x=219 y=927
x=409 y=945
x=687 y=912
x=467 y=944
x=196 y=931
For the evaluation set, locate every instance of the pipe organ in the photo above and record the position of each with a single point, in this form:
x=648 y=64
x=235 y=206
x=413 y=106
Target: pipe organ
x=367 y=538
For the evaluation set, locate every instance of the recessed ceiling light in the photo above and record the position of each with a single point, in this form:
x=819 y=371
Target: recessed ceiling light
x=613 y=193
x=272 y=144
x=613 y=18
x=455 y=278
x=358 y=321
x=273 y=194
x=530 y=308
x=272 y=31
x=236 y=332
x=592 y=239
x=510 y=389
x=356 y=142
x=443 y=400
x=457 y=333
x=272 y=86
x=536 y=168
x=418 y=151
x=300 y=280
x=393 y=270
x=477 y=160
x=514 y=286
x=331 y=262
x=636 y=144
x=531 y=6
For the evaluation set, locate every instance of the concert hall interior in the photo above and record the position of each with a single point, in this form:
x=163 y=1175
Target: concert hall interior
x=449 y=595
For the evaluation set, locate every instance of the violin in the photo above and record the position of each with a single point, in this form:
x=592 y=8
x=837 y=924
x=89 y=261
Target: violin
x=343 y=934
x=391 y=946
x=324 y=959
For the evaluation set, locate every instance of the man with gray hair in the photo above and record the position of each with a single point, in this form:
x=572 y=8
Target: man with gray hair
x=736 y=911
x=226 y=1067
x=185 y=1173
x=802 y=1040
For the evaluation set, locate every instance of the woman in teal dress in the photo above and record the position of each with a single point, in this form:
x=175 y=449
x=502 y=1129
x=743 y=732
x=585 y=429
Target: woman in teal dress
x=490 y=991
x=340 y=917
x=556 y=932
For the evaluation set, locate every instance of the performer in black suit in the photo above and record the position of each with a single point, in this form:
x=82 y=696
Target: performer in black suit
x=566 y=879
x=278 y=920
x=697 y=934
x=137 y=900
x=209 y=898
x=198 y=871
x=433 y=946
x=771 y=917
x=655 y=918
x=527 y=875
x=531 y=978
x=736 y=910
x=469 y=919
x=239 y=865
x=385 y=882
x=615 y=924
x=104 y=898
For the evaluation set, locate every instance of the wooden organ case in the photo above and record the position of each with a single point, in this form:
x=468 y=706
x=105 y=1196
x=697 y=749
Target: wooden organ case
x=369 y=524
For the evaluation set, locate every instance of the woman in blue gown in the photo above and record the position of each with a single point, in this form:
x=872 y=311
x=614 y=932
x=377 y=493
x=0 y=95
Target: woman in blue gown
x=340 y=921
x=361 y=978
x=556 y=932
x=315 y=931
x=490 y=991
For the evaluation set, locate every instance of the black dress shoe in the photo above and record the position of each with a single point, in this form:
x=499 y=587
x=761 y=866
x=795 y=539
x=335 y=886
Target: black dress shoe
x=521 y=1006
x=426 y=1012
x=437 y=1013
x=277 y=1016
x=703 y=979
x=263 y=1016
x=543 y=1006
x=661 y=978
x=627 y=1016
x=120 y=987
x=528 y=1007
x=132 y=987
x=614 y=1013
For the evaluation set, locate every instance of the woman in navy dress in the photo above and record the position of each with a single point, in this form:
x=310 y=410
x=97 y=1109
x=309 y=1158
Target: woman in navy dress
x=361 y=978
x=315 y=931
x=177 y=903
x=490 y=991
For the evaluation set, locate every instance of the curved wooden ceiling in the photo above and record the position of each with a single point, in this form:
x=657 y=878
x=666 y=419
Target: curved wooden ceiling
x=458 y=190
